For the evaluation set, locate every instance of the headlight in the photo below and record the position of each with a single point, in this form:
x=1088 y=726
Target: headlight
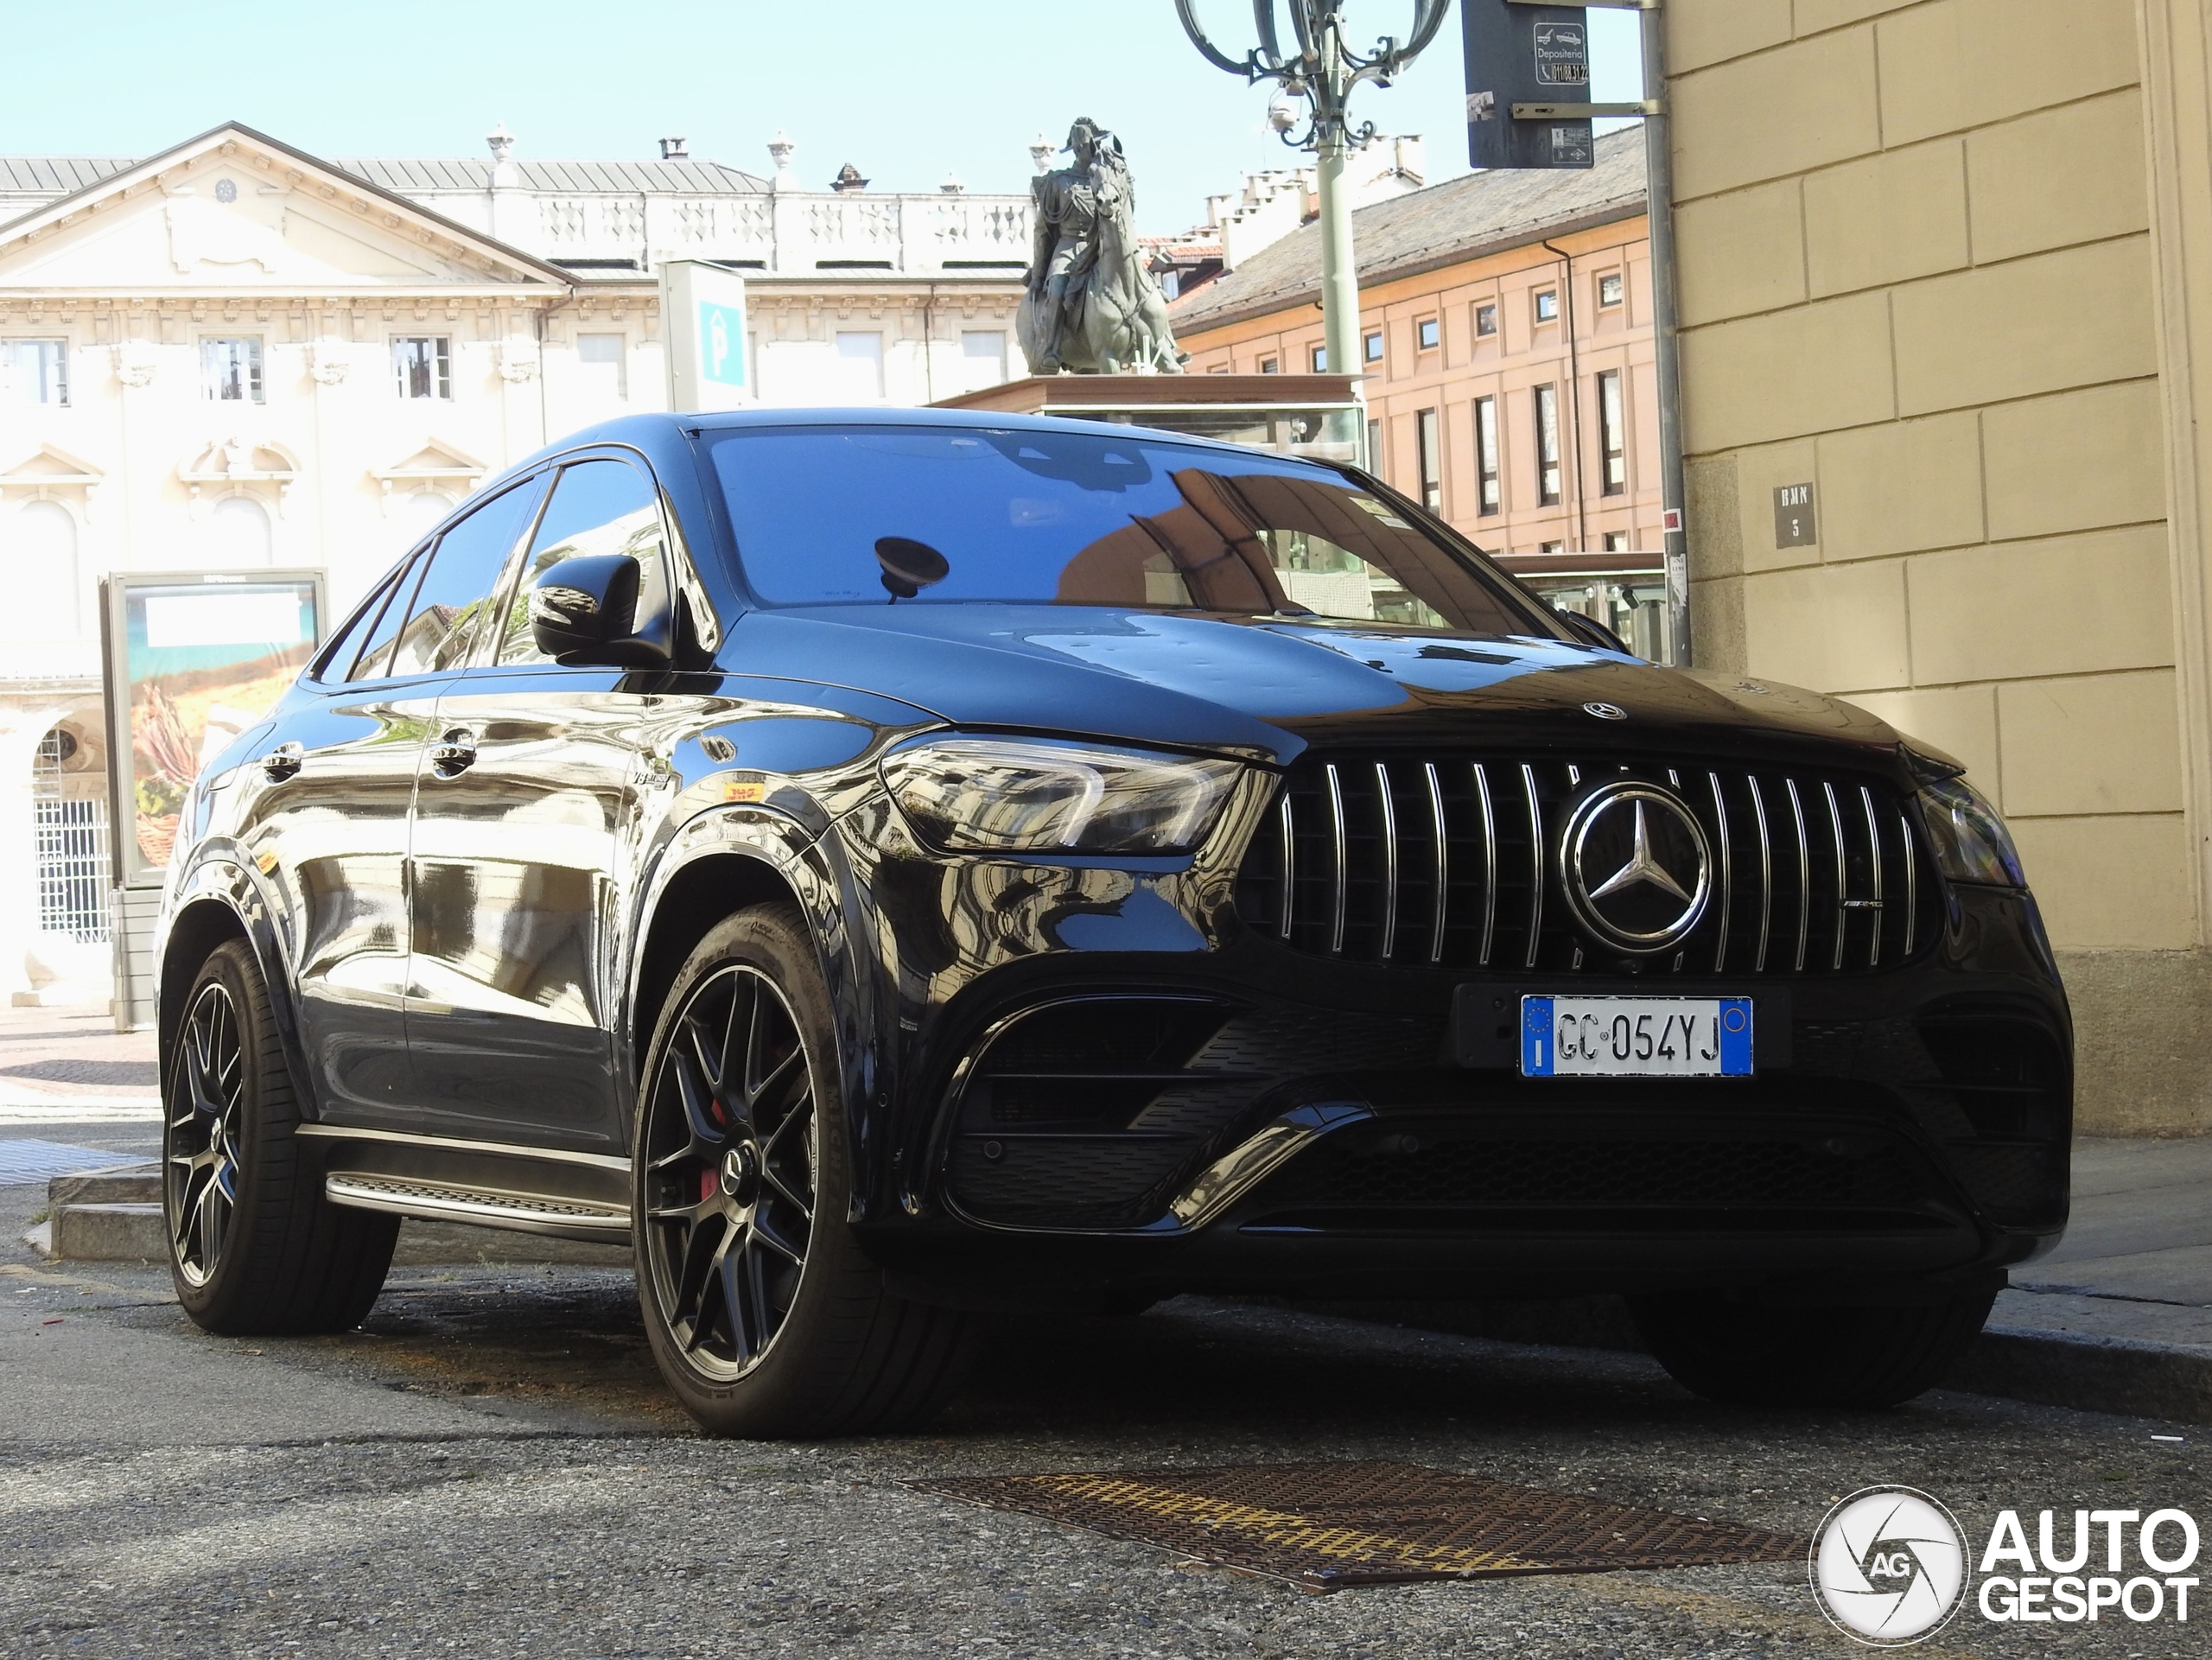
x=1972 y=845
x=1032 y=795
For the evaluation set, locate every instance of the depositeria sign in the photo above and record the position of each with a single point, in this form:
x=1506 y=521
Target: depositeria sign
x=702 y=307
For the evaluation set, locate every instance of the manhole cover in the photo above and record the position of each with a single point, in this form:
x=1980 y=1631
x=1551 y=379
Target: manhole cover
x=1324 y=1526
x=30 y=1162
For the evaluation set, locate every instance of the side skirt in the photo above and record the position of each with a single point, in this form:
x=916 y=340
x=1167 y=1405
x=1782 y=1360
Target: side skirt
x=525 y=1189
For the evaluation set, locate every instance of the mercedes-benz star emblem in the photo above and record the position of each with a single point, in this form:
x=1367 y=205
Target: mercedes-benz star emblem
x=1605 y=711
x=1637 y=866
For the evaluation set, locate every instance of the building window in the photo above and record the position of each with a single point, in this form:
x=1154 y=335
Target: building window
x=421 y=365
x=982 y=358
x=1374 y=448
x=860 y=365
x=1429 y=449
x=1486 y=321
x=606 y=365
x=1270 y=366
x=1486 y=468
x=1551 y=547
x=44 y=600
x=1547 y=472
x=1429 y=334
x=1611 y=289
x=35 y=371
x=238 y=533
x=1616 y=541
x=1371 y=345
x=1546 y=305
x=1319 y=357
x=230 y=370
x=1611 y=436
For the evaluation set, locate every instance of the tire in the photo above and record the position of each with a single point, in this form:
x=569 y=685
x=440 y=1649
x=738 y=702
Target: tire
x=255 y=1249
x=1742 y=1354
x=764 y=1315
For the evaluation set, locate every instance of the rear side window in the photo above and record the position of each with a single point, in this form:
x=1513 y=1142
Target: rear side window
x=597 y=506
x=384 y=620
x=459 y=587
x=338 y=658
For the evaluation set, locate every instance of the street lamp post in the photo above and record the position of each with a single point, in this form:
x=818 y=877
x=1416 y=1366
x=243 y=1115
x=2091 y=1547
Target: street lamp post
x=1322 y=72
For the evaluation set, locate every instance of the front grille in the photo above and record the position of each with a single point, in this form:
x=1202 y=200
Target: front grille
x=1454 y=863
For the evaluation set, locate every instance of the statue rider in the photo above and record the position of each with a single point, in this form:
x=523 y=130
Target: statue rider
x=1066 y=246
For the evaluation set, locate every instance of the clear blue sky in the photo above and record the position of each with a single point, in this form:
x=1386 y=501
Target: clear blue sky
x=905 y=91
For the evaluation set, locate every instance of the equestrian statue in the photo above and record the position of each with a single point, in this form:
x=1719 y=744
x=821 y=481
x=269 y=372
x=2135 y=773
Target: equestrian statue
x=1092 y=306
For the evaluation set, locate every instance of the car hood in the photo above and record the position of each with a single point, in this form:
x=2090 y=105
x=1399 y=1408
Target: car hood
x=1270 y=687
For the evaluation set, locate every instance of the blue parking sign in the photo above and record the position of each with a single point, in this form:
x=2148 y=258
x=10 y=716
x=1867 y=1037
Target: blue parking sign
x=721 y=344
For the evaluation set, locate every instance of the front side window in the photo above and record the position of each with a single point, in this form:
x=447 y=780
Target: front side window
x=597 y=506
x=379 y=630
x=461 y=584
x=1486 y=468
x=1548 y=305
x=1547 y=469
x=1612 y=438
x=870 y=516
x=421 y=365
x=230 y=370
x=35 y=371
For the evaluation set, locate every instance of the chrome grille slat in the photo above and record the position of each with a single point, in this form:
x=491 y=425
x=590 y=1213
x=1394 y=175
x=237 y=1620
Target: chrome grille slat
x=1370 y=859
x=1727 y=871
x=1489 y=864
x=1390 y=859
x=1537 y=863
x=1804 y=873
x=1342 y=873
x=1766 y=878
x=1444 y=862
x=1842 y=876
x=1874 y=855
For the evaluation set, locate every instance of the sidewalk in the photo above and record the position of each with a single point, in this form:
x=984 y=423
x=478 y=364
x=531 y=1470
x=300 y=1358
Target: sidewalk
x=71 y=1066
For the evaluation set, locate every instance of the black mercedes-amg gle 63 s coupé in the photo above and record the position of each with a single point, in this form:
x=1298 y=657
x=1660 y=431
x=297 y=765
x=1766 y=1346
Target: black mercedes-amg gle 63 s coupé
x=895 y=867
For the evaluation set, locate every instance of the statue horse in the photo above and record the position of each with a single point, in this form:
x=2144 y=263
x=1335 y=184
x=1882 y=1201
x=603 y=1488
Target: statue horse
x=1117 y=322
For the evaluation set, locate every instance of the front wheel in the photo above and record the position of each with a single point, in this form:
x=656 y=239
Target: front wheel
x=765 y=1317
x=1743 y=1354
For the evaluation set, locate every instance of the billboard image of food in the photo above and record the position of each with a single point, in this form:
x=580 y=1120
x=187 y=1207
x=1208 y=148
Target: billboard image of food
x=203 y=659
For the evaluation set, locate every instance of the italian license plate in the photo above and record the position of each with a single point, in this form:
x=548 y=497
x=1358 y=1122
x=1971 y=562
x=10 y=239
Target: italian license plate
x=1635 y=1037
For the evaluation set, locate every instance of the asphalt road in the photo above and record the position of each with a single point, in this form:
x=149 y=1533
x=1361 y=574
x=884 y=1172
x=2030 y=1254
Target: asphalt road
x=489 y=1468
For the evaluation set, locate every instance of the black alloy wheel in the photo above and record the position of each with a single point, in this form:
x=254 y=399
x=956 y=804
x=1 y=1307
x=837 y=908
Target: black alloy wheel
x=765 y=1316
x=731 y=1154
x=255 y=1245
x=201 y=1160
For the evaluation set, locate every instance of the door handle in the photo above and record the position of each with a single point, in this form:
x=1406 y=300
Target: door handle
x=282 y=762
x=454 y=753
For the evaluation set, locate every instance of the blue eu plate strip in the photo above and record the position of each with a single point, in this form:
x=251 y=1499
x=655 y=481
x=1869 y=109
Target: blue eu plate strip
x=1537 y=1037
x=1735 y=1037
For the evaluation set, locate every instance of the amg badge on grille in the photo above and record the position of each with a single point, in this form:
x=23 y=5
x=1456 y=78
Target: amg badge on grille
x=1635 y=866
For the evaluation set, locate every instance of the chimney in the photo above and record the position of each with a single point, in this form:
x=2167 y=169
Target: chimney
x=848 y=178
x=673 y=149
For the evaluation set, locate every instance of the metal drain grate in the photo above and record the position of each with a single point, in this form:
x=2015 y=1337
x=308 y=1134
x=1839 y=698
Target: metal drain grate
x=1325 y=1526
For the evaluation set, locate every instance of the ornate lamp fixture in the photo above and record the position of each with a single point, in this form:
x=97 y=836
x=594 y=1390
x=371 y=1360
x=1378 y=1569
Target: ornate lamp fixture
x=1311 y=112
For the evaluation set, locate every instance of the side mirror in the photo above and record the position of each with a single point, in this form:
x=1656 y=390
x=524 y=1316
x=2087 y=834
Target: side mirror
x=583 y=613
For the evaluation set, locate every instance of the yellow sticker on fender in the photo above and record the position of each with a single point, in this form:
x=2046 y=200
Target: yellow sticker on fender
x=745 y=786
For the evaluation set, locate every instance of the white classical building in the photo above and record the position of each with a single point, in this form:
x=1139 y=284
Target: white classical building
x=235 y=355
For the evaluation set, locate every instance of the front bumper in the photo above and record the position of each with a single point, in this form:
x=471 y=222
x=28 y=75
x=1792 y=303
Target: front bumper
x=1186 y=1105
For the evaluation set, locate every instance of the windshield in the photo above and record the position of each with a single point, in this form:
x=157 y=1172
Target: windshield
x=876 y=515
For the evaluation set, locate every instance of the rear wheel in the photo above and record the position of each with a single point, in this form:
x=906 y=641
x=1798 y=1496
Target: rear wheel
x=764 y=1314
x=1750 y=1355
x=254 y=1246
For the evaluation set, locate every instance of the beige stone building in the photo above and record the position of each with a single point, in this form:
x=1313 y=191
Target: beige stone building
x=1948 y=263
